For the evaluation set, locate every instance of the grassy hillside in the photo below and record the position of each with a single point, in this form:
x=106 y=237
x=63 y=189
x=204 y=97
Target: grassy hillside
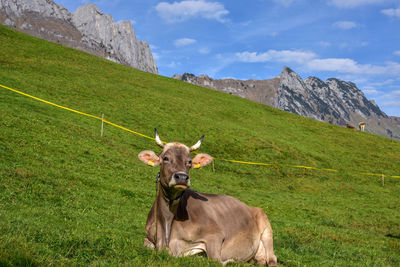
x=71 y=197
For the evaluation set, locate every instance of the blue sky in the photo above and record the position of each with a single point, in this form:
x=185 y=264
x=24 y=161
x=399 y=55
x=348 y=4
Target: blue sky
x=354 y=40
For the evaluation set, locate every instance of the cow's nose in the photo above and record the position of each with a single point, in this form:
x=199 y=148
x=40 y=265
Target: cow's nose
x=181 y=177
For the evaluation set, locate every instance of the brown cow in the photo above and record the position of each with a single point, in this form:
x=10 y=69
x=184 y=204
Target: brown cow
x=351 y=127
x=186 y=222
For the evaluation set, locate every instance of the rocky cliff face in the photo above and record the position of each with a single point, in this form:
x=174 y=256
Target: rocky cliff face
x=41 y=18
x=117 y=39
x=86 y=29
x=263 y=91
x=334 y=101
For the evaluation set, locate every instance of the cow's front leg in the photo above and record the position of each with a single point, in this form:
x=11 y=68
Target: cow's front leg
x=163 y=231
x=214 y=247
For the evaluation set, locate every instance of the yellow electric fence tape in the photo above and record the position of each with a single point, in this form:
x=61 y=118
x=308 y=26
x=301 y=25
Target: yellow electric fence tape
x=76 y=111
x=148 y=137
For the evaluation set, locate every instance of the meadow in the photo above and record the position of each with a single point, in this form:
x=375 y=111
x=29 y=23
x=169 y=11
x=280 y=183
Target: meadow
x=71 y=197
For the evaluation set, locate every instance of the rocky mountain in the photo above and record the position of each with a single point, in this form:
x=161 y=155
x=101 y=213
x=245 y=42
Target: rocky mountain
x=87 y=29
x=333 y=101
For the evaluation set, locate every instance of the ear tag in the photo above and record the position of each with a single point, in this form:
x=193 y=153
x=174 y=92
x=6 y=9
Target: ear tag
x=197 y=166
x=150 y=163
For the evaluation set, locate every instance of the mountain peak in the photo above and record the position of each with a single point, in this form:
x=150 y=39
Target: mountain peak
x=286 y=70
x=90 y=6
x=334 y=101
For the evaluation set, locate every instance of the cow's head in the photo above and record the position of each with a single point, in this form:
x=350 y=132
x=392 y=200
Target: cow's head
x=175 y=161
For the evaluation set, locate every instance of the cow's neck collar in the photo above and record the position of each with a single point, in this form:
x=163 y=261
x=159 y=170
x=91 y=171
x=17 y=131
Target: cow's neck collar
x=170 y=197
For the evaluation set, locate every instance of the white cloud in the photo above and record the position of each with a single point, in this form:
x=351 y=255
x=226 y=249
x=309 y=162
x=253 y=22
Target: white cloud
x=370 y=91
x=156 y=56
x=324 y=44
x=360 y=80
x=392 y=107
x=285 y=56
x=204 y=50
x=181 y=11
x=345 y=25
x=173 y=64
x=392 y=12
x=220 y=62
x=397 y=53
x=390 y=101
x=391 y=95
x=273 y=34
x=246 y=23
x=347 y=65
x=332 y=64
x=354 y=3
x=153 y=47
x=383 y=83
x=391 y=104
x=309 y=61
x=184 y=41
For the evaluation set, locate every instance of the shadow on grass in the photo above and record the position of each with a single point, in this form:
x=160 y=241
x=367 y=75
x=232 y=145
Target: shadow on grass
x=18 y=260
x=393 y=236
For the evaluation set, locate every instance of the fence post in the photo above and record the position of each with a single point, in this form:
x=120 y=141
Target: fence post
x=102 y=123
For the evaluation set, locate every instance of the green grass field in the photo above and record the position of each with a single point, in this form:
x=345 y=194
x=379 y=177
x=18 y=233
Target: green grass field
x=71 y=197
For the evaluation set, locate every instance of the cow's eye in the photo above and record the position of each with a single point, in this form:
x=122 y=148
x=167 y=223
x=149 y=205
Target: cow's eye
x=190 y=162
x=165 y=159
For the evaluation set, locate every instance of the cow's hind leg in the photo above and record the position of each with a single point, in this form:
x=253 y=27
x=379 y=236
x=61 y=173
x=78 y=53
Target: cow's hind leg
x=265 y=253
x=147 y=243
x=267 y=242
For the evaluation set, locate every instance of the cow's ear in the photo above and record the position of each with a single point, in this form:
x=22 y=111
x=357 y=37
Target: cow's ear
x=201 y=160
x=149 y=157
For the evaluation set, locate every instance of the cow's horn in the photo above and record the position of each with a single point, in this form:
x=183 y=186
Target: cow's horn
x=197 y=145
x=158 y=140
